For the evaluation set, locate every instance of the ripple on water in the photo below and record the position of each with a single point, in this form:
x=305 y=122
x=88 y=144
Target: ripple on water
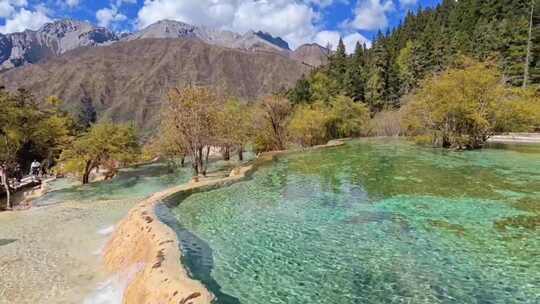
x=131 y=183
x=337 y=226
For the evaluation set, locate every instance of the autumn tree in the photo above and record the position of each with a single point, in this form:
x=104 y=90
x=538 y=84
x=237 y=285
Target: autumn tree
x=270 y=123
x=192 y=115
x=427 y=41
x=317 y=123
x=166 y=145
x=233 y=128
x=464 y=106
x=11 y=138
x=30 y=131
x=308 y=126
x=104 y=144
x=347 y=118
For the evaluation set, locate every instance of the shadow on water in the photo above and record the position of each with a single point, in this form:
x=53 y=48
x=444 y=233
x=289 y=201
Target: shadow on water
x=4 y=242
x=197 y=256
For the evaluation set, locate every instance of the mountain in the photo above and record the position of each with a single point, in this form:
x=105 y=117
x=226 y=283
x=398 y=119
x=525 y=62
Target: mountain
x=56 y=38
x=502 y=32
x=253 y=41
x=311 y=54
x=128 y=80
x=52 y=39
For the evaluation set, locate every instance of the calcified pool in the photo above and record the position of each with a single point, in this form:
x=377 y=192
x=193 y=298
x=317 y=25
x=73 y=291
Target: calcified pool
x=131 y=183
x=52 y=254
x=376 y=221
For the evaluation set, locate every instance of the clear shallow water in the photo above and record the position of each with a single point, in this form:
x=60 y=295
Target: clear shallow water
x=377 y=221
x=131 y=183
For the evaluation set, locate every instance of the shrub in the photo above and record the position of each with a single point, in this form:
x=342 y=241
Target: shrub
x=308 y=125
x=347 y=118
x=463 y=107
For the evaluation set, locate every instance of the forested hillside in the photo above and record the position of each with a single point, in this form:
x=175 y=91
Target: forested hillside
x=506 y=32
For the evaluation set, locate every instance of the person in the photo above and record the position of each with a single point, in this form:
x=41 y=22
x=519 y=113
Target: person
x=18 y=173
x=34 y=168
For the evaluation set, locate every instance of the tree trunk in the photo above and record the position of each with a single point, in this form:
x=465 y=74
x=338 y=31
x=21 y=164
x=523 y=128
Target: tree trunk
x=240 y=153
x=201 y=162
x=194 y=152
x=195 y=163
x=529 y=43
x=226 y=153
x=4 y=179
x=195 y=166
x=87 y=170
x=205 y=165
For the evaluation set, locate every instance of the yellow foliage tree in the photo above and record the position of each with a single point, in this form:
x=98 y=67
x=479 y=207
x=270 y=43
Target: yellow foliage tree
x=269 y=122
x=104 y=143
x=190 y=116
x=308 y=126
x=348 y=118
x=462 y=107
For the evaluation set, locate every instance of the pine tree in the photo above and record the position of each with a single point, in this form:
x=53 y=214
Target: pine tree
x=529 y=47
x=301 y=93
x=376 y=84
x=338 y=64
x=430 y=41
x=355 y=77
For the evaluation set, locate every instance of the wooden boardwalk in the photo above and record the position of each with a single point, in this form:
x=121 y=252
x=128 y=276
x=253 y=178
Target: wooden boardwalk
x=29 y=181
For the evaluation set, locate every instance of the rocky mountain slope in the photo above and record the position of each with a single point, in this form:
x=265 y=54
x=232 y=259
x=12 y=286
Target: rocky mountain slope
x=253 y=41
x=52 y=39
x=311 y=54
x=128 y=80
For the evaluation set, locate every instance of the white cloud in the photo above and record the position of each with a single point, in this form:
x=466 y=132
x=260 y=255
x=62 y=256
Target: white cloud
x=325 y=3
x=108 y=16
x=404 y=3
x=23 y=20
x=327 y=38
x=331 y=38
x=73 y=3
x=8 y=7
x=293 y=20
x=290 y=19
x=119 y=3
x=371 y=14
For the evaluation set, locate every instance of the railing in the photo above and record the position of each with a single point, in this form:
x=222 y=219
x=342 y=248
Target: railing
x=25 y=182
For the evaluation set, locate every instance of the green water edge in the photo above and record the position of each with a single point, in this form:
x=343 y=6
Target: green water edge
x=375 y=221
x=132 y=183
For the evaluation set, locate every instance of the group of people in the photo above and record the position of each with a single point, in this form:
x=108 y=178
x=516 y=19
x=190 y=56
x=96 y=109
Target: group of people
x=36 y=170
x=17 y=174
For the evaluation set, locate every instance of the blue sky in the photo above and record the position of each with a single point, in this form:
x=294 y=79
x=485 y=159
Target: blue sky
x=297 y=21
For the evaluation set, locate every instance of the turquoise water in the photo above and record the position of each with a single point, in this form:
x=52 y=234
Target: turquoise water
x=131 y=183
x=376 y=221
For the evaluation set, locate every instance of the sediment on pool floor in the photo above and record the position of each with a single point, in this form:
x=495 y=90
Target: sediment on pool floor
x=142 y=239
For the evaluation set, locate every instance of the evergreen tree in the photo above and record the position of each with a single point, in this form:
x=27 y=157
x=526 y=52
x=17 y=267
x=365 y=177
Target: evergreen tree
x=431 y=40
x=355 y=76
x=301 y=93
x=338 y=64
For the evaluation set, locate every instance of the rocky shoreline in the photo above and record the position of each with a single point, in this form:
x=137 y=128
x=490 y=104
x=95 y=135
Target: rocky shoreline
x=516 y=138
x=145 y=252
